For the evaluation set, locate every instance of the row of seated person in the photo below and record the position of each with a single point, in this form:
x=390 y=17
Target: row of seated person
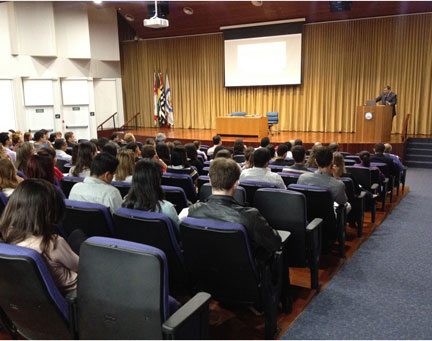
x=326 y=231
x=255 y=281
x=122 y=293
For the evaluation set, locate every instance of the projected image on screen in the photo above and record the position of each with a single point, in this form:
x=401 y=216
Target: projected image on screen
x=262 y=59
x=274 y=60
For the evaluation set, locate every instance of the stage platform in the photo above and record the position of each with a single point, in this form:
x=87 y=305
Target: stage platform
x=348 y=141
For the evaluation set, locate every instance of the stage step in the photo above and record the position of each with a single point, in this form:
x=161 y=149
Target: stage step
x=419 y=153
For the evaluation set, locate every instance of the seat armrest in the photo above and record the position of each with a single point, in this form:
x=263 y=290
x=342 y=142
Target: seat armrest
x=361 y=195
x=314 y=224
x=71 y=299
x=284 y=235
x=196 y=311
x=374 y=187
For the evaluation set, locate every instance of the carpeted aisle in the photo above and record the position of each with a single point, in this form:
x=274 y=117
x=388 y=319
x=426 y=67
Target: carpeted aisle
x=384 y=291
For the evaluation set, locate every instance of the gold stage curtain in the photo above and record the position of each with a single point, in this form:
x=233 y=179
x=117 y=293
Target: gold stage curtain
x=344 y=64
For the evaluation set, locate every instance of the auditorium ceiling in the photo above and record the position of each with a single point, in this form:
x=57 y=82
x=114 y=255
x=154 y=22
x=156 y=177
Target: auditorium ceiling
x=208 y=16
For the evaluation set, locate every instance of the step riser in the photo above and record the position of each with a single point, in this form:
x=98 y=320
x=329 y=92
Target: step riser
x=411 y=139
x=419 y=146
x=418 y=158
x=419 y=164
x=418 y=151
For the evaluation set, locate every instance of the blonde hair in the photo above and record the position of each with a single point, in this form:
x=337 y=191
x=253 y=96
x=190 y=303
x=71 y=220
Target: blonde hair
x=126 y=165
x=23 y=154
x=129 y=138
x=311 y=162
x=7 y=174
x=339 y=161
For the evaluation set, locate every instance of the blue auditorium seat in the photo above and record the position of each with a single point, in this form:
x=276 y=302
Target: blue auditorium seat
x=229 y=273
x=154 y=229
x=29 y=297
x=123 y=293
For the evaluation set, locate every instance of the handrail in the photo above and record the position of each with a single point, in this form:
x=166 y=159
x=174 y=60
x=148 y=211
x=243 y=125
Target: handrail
x=111 y=117
x=405 y=127
x=130 y=120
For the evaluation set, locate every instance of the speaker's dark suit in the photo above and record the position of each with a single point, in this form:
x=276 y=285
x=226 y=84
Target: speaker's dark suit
x=391 y=97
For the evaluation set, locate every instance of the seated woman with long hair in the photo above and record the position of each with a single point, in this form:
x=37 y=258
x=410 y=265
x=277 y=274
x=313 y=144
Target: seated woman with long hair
x=86 y=153
x=239 y=147
x=47 y=151
x=249 y=152
x=31 y=220
x=179 y=163
x=126 y=165
x=311 y=162
x=163 y=152
x=146 y=192
x=192 y=157
x=41 y=167
x=24 y=153
x=8 y=178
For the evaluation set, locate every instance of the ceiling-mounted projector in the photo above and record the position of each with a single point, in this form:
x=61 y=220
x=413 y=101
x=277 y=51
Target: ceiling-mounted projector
x=155 y=21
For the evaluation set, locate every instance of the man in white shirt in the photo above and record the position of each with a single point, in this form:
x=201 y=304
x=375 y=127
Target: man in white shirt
x=6 y=142
x=260 y=172
x=217 y=141
x=60 y=146
x=97 y=187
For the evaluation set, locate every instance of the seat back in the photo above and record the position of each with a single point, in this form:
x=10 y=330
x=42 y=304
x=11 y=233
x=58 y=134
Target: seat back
x=356 y=158
x=61 y=165
x=21 y=174
x=154 y=229
x=239 y=158
x=181 y=180
x=276 y=168
x=362 y=175
x=122 y=186
x=383 y=167
x=238 y=113
x=349 y=162
x=29 y=297
x=3 y=202
x=219 y=260
x=122 y=290
x=273 y=117
x=252 y=186
x=289 y=178
x=349 y=189
x=202 y=179
x=239 y=194
x=67 y=182
x=92 y=219
x=176 y=196
x=286 y=210
x=320 y=204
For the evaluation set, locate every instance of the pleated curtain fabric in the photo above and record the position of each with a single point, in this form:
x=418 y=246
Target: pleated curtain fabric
x=344 y=64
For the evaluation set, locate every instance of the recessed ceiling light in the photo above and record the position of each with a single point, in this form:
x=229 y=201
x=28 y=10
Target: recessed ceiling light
x=129 y=17
x=188 y=10
x=97 y=1
x=257 y=3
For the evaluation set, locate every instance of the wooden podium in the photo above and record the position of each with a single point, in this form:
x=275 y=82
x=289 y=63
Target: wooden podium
x=374 y=123
x=242 y=126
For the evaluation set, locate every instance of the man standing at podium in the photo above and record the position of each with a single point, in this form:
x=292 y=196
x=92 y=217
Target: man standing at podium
x=388 y=98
